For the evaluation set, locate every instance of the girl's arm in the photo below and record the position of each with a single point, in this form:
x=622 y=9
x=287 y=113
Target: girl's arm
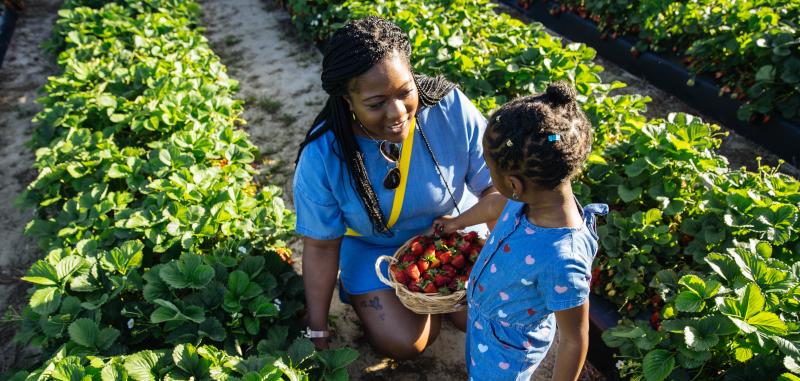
x=320 y=268
x=573 y=342
x=487 y=210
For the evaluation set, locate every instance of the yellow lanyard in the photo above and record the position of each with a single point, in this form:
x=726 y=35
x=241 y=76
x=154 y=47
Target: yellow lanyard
x=400 y=192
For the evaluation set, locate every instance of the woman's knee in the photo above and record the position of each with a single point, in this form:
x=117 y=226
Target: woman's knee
x=403 y=347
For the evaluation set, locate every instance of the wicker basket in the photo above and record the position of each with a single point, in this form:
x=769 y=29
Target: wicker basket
x=421 y=303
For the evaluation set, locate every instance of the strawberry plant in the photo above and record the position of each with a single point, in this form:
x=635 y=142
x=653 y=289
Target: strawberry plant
x=741 y=319
x=155 y=232
x=187 y=361
x=752 y=48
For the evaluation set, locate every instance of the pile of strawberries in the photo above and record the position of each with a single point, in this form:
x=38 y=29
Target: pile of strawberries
x=437 y=264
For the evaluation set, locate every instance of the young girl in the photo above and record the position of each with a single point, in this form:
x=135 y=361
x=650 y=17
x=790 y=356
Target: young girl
x=534 y=270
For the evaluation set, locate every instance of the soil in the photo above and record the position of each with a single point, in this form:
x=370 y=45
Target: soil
x=279 y=81
x=25 y=69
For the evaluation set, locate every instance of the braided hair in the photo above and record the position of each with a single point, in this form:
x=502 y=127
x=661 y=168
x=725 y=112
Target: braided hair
x=544 y=138
x=352 y=51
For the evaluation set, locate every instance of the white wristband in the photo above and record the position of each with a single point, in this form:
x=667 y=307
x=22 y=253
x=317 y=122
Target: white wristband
x=311 y=334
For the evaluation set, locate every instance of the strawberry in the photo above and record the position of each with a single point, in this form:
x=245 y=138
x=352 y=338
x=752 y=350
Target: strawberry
x=458 y=261
x=427 y=276
x=449 y=271
x=416 y=248
x=655 y=320
x=444 y=256
x=471 y=237
x=430 y=250
x=413 y=272
x=430 y=288
x=400 y=276
x=414 y=287
x=435 y=263
x=423 y=265
x=473 y=254
x=409 y=258
x=450 y=242
x=441 y=280
x=464 y=247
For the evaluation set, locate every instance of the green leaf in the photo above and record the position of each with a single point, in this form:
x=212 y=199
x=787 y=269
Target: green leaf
x=791 y=364
x=689 y=301
x=337 y=358
x=188 y=272
x=113 y=372
x=68 y=266
x=628 y=194
x=104 y=100
x=42 y=273
x=768 y=322
x=263 y=307
x=300 y=350
x=144 y=365
x=125 y=257
x=658 y=365
x=697 y=341
x=787 y=377
x=765 y=73
x=107 y=337
x=84 y=332
x=213 y=329
x=455 y=41
x=168 y=312
x=165 y=157
x=752 y=302
x=45 y=301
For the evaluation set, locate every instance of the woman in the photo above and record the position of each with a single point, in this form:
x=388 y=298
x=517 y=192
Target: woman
x=390 y=152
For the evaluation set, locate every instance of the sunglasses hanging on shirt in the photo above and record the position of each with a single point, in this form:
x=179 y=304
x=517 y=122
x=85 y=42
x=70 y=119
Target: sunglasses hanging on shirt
x=391 y=152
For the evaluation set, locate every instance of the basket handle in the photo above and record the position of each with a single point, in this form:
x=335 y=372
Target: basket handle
x=378 y=272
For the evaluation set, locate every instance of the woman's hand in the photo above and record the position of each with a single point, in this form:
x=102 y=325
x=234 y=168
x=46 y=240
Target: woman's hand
x=446 y=225
x=321 y=343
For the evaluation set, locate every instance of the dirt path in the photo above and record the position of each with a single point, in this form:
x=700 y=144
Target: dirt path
x=25 y=70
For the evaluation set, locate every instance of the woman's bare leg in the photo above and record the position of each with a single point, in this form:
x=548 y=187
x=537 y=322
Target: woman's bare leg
x=459 y=320
x=392 y=328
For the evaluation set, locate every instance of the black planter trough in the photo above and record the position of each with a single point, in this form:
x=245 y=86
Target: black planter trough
x=8 y=20
x=602 y=316
x=779 y=135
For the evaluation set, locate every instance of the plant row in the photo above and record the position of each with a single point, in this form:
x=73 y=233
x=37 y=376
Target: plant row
x=752 y=48
x=164 y=257
x=675 y=202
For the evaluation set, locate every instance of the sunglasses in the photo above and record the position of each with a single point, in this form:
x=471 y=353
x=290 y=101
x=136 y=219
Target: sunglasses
x=391 y=152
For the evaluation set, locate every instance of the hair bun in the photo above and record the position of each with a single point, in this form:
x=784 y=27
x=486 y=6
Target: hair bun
x=561 y=92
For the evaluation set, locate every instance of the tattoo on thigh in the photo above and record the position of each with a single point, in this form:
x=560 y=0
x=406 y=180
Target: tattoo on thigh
x=372 y=303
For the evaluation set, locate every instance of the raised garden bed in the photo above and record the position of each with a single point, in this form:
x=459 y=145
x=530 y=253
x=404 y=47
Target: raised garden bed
x=778 y=134
x=602 y=316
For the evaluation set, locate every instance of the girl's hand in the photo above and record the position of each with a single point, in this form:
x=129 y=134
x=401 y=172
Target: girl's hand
x=446 y=225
